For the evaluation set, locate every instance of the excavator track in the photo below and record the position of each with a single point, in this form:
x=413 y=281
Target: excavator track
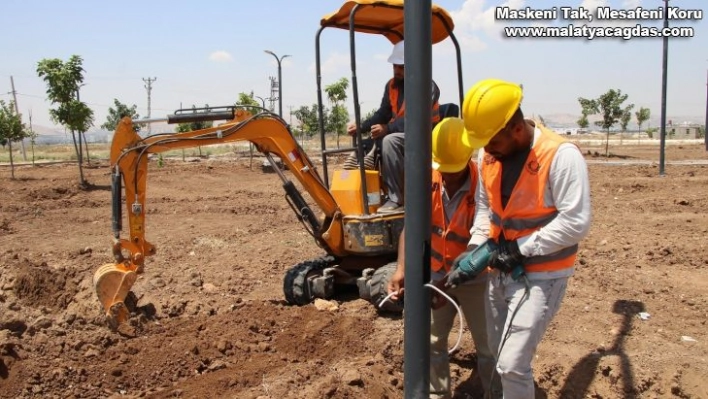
x=296 y=284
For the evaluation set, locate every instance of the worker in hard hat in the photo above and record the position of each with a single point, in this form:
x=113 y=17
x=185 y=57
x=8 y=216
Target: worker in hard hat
x=454 y=186
x=387 y=129
x=534 y=203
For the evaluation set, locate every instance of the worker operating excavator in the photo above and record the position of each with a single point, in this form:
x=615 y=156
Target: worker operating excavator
x=388 y=131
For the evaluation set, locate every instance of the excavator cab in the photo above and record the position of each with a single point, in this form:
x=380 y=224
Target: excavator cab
x=359 y=244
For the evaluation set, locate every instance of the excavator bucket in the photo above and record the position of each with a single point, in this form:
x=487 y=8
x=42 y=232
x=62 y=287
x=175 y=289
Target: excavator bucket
x=112 y=282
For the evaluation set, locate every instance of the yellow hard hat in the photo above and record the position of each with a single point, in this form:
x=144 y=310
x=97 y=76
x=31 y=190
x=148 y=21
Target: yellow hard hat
x=451 y=147
x=488 y=107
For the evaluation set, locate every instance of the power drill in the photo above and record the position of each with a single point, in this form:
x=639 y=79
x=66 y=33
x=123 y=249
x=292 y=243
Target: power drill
x=478 y=260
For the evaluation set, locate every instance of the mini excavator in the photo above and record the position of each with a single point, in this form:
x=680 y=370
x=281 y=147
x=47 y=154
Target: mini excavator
x=360 y=245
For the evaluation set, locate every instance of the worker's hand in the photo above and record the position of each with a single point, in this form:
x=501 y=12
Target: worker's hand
x=463 y=255
x=395 y=284
x=457 y=276
x=351 y=128
x=506 y=257
x=378 y=131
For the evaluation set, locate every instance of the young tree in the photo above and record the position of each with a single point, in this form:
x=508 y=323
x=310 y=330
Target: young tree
x=309 y=119
x=253 y=107
x=119 y=112
x=191 y=126
x=63 y=81
x=642 y=116
x=337 y=95
x=583 y=122
x=11 y=129
x=251 y=104
x=626 y=117
x=609 y=105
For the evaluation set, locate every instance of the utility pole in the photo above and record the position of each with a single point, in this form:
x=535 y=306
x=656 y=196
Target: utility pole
x=148 y=87
x=280 y=81
x=17 y=111
x=705 y=127
x=273 y=91
x=664 y=66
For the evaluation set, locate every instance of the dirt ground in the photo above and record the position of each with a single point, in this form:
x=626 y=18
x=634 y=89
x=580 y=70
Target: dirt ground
x=214 y=324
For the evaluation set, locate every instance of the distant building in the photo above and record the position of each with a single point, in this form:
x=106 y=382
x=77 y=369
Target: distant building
x=683 y=131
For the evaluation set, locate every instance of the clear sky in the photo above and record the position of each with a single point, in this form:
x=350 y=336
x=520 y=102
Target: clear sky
x=206 y=52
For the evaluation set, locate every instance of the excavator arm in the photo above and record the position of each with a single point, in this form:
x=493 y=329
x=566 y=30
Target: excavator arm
x=129 y=164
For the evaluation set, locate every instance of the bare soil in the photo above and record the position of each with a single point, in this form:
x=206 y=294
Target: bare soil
x=213 y=322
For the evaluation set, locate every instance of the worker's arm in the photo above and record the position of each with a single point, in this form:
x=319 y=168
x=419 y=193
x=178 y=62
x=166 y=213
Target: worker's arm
x=381 y=116
x=569 y=186
x=480 y=228
x=398 y=124
x=395 y=284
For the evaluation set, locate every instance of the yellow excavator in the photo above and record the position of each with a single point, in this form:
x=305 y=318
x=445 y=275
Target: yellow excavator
x=359 y=244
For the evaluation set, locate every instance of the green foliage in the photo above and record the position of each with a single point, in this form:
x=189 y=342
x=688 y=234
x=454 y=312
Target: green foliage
x=626 y=117
x=651 y=131
x=642 y=116
x=188 y=127
x=337 y=95
x=309 y=119
x=247 y=99
x=583 y=122
x=11 y=126
x=119 y=112
x=609 y=106
x=63 y=83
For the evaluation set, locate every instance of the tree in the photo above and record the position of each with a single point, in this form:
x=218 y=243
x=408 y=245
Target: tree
x=11 y=129
x=609 y=105
x=251 y=104
x=246 y=100
x=642 y=116
x=119 y=112
x=583 y=122
x=337 y=95
x=191 y=126
x=625 y=118
x=309 y=119
x=63 y=81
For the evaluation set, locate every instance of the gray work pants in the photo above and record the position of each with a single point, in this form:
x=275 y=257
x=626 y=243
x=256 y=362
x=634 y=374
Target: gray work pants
x=534 y=315
x=471 y=299
x=392 y=147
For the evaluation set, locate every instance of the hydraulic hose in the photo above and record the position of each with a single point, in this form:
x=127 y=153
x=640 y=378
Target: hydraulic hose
x=116 y=192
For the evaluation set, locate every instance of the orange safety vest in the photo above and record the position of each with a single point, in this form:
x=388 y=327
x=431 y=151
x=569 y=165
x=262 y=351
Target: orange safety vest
x=448 y=241
x=528 y=208
x=393 y=93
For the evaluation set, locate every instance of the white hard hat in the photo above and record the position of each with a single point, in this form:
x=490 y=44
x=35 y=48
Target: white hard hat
x=396 y=56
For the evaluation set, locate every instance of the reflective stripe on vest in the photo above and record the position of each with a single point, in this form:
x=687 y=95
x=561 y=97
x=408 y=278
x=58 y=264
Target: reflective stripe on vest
x=393 y=93
x=447 y=241
x=528 y=209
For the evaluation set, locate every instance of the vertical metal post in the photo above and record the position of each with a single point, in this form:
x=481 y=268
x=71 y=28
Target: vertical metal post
x=418 y=82
x=664 y=66
x=280 y=81
x=17 y=112
x=705 y=127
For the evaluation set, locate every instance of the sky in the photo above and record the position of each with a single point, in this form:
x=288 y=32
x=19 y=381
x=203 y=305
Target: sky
x=208 y=52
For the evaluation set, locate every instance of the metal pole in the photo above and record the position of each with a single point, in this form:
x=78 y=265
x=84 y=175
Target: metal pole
x=280 y=81
x=664 y=66
x=17 y=112
x=418 y=81
x=705 y=127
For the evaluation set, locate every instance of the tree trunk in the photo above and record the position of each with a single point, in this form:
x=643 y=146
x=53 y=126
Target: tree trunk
x=607 y=144
x=88 y=157
x=79 y=155
x=12 y=165
x=250 y=155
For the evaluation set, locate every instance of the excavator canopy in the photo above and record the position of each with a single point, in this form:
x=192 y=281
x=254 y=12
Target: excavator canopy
x=385 y=17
